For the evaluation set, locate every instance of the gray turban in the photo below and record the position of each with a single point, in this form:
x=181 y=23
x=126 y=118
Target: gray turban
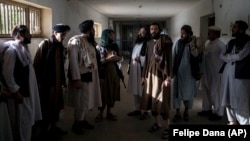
x=61 y=28
x=86 y=26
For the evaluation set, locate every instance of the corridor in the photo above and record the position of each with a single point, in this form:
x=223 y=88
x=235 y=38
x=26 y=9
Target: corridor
x=125 y=128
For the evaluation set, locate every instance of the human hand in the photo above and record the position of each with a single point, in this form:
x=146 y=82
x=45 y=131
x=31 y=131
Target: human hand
x=78 y=84
x=142 y=81
x=167 y=82
x=18 y=97
x=137 y=59
x=112 y=58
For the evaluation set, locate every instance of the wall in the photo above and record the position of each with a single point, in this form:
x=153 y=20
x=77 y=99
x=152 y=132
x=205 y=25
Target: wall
x=226 y=12
x=191 y=17
x=78 y=12
x=71 y=12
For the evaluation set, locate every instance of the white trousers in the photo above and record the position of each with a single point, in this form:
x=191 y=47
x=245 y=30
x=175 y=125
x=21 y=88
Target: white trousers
x=234 y=115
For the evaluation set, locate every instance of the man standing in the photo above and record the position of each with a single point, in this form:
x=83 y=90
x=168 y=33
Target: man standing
x=49 y=67
x=110 y=80
x=21 y=81
x=211 y=64
x=156 y=77
x=84 y=85
x=236 y=77
x=135 y=68
x=187 y=58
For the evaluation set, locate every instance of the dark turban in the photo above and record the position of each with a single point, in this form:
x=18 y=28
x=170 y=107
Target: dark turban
x=61 y=28
x=86 y=26
x=242 y=25
x=188 y=29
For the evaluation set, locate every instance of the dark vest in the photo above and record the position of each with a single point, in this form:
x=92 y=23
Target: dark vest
x=21 y=76
x=242 y=67
x=194 y=61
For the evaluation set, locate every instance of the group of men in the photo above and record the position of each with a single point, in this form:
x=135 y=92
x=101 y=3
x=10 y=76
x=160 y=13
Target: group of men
x=34 y=91
x=225 y=76
x=153 y=65
x=32 y=94
x=221 y=69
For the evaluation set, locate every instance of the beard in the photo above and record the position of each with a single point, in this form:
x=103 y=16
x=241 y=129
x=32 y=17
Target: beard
x=155 y=35
x=234 y=34
x=91 y=38
x=185 y=40
x=140 y=39
x=26 y=41
x=110 y=41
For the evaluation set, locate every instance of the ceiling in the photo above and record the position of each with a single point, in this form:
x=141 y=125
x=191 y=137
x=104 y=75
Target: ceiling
x=139 y=9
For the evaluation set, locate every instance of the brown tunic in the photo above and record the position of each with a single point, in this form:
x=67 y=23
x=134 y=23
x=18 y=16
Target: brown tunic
x=156 y=96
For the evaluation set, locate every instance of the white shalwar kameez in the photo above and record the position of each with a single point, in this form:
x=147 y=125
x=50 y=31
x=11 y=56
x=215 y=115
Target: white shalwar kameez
x=236 y=92
x=24 y=115
x=89 y=95
x=211 y=78
x=134 y=80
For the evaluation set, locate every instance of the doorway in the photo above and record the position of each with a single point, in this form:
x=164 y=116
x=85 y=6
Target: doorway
x=205 y=22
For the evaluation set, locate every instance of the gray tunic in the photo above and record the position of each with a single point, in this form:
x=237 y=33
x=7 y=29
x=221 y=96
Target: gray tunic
x=184 y=83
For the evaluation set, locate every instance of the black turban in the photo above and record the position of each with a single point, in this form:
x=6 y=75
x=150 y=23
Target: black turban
x=86 y=26
x=188 y=29
x=61 y=28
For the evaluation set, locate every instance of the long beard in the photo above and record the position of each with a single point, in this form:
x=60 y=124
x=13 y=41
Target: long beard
x=91 y=39
x=26 y=41
x=140 y=39
x=185 y=40
x=234 y=34
x=110 y=41
x=156 y=36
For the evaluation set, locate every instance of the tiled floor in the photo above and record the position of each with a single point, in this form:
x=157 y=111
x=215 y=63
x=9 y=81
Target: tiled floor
x=125 y=128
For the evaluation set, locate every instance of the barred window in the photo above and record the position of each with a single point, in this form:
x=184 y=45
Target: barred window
x=98 y=29
x=12 y=13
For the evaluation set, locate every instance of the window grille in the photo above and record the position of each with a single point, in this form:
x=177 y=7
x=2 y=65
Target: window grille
x=12 y=14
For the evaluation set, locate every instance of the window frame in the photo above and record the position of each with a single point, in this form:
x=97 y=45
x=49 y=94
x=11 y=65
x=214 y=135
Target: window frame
x=28 y=9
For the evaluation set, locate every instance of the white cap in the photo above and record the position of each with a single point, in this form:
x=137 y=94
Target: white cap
x=214 y=28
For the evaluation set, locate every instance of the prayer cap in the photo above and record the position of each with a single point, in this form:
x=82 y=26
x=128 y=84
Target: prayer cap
x=214 y=28
x=61 y=28
x=86 y=26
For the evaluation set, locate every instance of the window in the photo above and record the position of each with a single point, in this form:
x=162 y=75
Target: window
x=12 y=13
x=98 y=30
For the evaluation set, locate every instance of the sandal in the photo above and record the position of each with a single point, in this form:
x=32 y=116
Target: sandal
x=111 y=117
x=186 y=117
x=177 y=118
x=232 y=123
x=99 y=118
x=144 y=116
x=154 y=128
x=165 y=134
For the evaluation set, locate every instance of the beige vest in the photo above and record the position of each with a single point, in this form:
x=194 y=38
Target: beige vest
x=86 y=54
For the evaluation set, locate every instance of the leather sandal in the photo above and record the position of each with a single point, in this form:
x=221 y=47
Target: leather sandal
x=154 y=128
x=111 y=117
x=165 y=134
x=144 y=116
x=99 y=118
